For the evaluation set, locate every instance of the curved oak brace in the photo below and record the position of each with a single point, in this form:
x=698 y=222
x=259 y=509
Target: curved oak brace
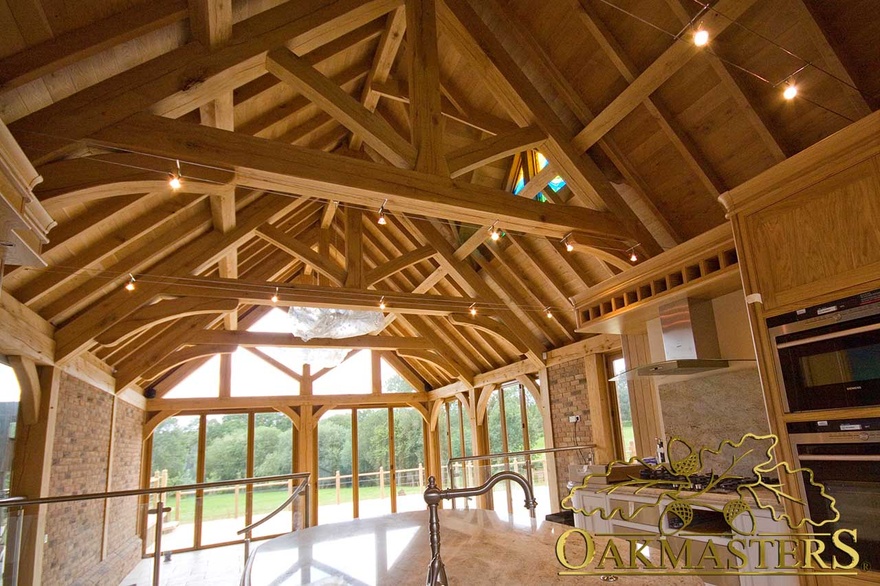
x=483 y=401
x=586 y=244
x=320 y=413
x=163 y=311
x=490 y=326
x=436 y=408
x=421 y=410
x=530 y=385
x=154 y=421
x=185 y=355
x=109 y=175
x=450 y=367
x=294 y=416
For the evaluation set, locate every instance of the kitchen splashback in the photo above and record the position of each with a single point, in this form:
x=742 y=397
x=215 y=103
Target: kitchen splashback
x=709 y=409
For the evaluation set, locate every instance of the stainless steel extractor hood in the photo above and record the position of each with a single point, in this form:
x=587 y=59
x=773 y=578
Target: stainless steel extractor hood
x=690 y=342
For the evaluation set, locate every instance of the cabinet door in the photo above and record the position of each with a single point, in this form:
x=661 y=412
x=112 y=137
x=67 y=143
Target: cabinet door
x=819 y=240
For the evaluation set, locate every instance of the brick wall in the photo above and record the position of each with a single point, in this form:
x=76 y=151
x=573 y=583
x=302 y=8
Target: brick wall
x=568 y=396
x=80 y=464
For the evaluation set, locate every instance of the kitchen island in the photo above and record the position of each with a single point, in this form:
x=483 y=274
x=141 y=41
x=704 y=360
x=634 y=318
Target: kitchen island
x=477 y=547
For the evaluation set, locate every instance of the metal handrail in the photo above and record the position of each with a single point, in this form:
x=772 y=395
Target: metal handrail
x=16 y=502
x=248 y=561
x=296 y=492
x=452 y=461
x=20 y=502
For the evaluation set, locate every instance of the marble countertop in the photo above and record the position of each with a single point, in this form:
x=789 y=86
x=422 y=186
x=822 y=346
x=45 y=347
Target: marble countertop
x=478 y=548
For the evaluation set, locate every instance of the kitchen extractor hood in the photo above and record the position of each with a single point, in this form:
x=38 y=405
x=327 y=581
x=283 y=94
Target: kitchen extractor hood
x=690 y=342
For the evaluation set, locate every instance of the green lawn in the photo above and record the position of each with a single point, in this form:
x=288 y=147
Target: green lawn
x=222 y=505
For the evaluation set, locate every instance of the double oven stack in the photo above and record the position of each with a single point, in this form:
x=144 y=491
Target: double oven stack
x=828 y=359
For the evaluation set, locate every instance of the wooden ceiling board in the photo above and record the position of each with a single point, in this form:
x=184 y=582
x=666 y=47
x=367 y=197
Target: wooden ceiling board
x=849 y=27
x=11 y=41
x=67 y=15
x=40 y=93
x=715 y=124
x=244 y=9
x=573 y=50
x=643 y=43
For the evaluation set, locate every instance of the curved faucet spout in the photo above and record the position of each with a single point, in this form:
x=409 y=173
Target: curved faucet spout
x=530 y=504
x=433 y=496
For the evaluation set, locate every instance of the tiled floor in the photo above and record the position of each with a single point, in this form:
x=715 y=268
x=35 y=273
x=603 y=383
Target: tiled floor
x=220 y=566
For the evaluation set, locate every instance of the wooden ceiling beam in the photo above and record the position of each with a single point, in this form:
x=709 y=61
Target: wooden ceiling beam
x=86 y=179
x=181 y=80
x=468 y=277
x=87 y=41
x=526 y=105
x=278 y=340
x=494 y=148
x=828 y=50
x=524 y=245
x=269 y=165
x=424 y=87
x=266 y=82
x=758 y=122
x=658 y=72
x=259 y=293
x=386 y=52
x=210 y=22
x=76 y=335
x=404 y=370
x=393 y=90
x=277 y=117
x=274 y=363
x=490 y=326
x=235 y=403
x=85 y=257
x=565 y=257
x=538 y=182
x=303 y=252
x=679 y=139
x=135 y=365
x=304 y=78
x=183 y=355
x=535 y=309
x=395 y=265
x=133 y=258
x=163 y=311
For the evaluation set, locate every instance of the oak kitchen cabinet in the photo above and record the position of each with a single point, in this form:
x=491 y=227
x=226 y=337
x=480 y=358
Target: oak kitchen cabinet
x=807 y=232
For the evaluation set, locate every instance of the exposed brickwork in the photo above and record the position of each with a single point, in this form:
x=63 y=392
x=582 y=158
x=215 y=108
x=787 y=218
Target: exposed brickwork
x=568 y=396
x=80 y=461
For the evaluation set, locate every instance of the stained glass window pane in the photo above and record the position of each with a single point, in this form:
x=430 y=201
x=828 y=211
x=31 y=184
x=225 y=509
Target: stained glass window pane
x=557 y=183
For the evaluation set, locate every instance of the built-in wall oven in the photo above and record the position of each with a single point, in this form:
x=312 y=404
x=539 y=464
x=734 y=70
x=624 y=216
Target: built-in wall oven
x=844 y=456
x=828 y=356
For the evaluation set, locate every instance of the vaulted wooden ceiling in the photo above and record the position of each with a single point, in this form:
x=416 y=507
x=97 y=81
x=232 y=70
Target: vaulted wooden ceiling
x=293 y=122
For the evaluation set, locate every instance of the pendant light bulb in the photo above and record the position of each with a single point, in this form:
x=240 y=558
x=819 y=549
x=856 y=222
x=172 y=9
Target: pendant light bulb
x=633 y=257
x=549 y=313
x=275 y=296
x=130 y=285
x=175 y=182
x=382 y=221
x=494 y=234
x=790 y=91
x=569 y=246
x=382 y=304
x=473 y=310
x=701 y=37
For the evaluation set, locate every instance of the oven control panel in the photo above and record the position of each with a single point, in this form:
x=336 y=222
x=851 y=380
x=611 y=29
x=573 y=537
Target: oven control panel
x=867 y=429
